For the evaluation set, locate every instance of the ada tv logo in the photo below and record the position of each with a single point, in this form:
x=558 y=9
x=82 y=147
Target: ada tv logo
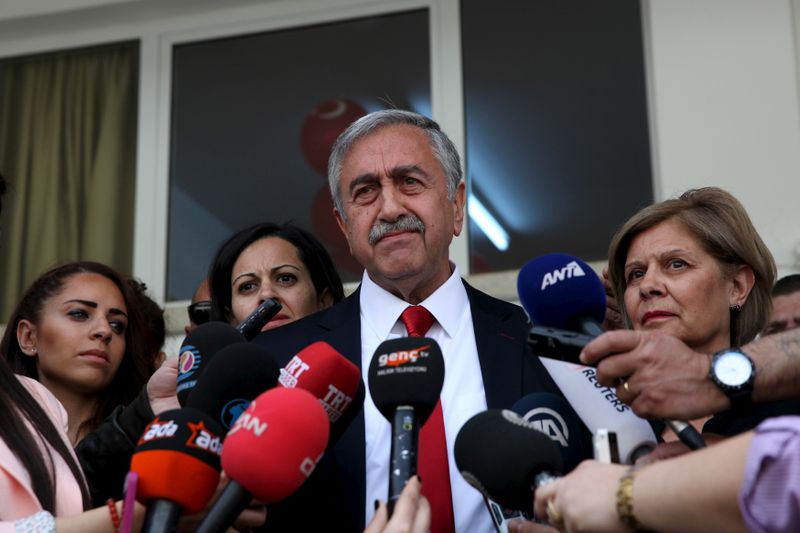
x=570 y=270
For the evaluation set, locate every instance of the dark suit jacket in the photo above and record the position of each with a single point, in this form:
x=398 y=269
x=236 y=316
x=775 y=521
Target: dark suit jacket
x=333 y=497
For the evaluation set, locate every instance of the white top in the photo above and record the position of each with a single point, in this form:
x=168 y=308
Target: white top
x=462 y=394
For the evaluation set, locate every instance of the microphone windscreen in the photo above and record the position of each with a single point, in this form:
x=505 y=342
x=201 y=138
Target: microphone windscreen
x=500 y=454
x=178 y=459
x=558 y=289
x=406 y=371
x=237 y=374
x=276 y=443
x=554 y=416
x=331 y=377
x=199 y=346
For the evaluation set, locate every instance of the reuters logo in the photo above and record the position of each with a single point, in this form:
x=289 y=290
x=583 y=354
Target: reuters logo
x=403 y=357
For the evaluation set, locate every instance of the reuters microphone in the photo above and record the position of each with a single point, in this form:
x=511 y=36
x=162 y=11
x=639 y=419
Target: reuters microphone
x=177 y=460
x=197 y=350
x=269 y=452
x=331 y=377
x=405 y=380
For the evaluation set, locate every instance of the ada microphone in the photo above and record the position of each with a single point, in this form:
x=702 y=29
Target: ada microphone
x=506 y=458
x=199 y=346
x=269 y=452
x=177 y=460
x=560 y=291
x=252 y=325
x=237 y=374
x=405 y=380
x=331 y=377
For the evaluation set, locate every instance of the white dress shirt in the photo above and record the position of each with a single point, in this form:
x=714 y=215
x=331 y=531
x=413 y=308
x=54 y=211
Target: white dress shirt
x=462 y=394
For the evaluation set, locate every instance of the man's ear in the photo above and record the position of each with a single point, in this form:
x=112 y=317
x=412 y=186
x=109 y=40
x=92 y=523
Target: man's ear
x=743 y=280
x=342 y=226
x=460 y=202
x=26 y=337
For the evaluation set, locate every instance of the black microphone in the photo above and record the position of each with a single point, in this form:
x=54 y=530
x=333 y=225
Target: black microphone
x=560 y=291
x=177 y=460
x=405 y=380
x=197 y=350
x=251 y=326
x=506 y=458
x=554 y=416
x=237 y=374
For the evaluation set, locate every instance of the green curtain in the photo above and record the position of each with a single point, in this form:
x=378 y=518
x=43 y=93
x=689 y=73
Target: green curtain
x=67 y=149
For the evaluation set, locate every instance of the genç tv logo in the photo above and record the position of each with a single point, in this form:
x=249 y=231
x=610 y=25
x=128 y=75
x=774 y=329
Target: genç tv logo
x=403 y=357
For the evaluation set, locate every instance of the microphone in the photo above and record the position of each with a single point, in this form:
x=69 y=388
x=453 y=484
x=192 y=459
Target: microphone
x=405 y=380
x=269 y=452
x=554 y=416
x=251 y=326
x=560 y=291
x=197 y=349
x=177 y=460
x=237 y=374
x=331 y=377
x=506 y=458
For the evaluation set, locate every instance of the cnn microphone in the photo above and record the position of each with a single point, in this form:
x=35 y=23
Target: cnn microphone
x=199 y=346
x=561 y=291
x=269 y=452
x=554 y=416
x=255 y=321
x=506 y=458
x=237 y=374
x=405 y=380
x=177 y=460
x=331 y=377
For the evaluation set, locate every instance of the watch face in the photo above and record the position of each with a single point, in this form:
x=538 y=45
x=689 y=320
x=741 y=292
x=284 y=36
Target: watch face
x=733 y=369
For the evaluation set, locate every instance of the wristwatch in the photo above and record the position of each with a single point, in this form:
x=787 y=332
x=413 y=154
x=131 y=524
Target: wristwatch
x=734 y=373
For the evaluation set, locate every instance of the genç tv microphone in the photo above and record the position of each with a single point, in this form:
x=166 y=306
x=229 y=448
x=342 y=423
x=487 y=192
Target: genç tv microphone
x=237 y=374
x=197 y=350
x=331 y=377
x=269 y=452
x=405 y=380
x=560 y=291
x=506 y=458
x=177 y=460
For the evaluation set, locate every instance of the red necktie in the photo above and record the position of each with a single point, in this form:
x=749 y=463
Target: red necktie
x=432 y=466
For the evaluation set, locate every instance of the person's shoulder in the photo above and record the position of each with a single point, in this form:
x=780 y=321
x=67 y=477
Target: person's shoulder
x=489 y=303
x=46 y=400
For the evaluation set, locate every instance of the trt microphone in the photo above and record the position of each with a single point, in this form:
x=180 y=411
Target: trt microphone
x=561 y=291
x=177 y=460
x=199 y=346
x=237 y=374
x=554 y=416
x=251 y=326
x=506 y=458
x=405 y=380
x=331 y=377
x=269 y=452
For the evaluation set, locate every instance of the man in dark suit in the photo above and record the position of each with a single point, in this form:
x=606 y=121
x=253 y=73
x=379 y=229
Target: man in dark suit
x=399 y=198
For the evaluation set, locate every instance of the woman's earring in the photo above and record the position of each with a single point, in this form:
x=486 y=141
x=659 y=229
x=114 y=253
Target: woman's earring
x=735 y=308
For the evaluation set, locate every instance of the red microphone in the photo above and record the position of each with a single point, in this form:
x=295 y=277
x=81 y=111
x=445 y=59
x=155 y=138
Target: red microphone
x=331 y=377
x=177 y=459
x=269 y=452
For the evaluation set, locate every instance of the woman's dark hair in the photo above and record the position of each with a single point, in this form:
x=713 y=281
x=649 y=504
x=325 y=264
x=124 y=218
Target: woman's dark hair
x=17 y=405
x=134 y=370
x=155 y=331
x=311 y=252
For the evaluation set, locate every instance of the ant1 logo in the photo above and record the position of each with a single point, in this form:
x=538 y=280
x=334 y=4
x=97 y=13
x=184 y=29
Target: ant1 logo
x=402 y=357
x=570 y=270
x=204 y=439
x=158 y=429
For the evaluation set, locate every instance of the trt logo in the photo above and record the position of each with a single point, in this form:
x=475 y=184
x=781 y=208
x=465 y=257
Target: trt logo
x=158 y=429
x=291 y=372
x=570 y=270
x=335 y=402
x=550 y=423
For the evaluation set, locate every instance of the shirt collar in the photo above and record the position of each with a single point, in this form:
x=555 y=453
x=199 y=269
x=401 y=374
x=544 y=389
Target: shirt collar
x=380 y=309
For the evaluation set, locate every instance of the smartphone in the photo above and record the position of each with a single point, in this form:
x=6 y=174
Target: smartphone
x=557 y=343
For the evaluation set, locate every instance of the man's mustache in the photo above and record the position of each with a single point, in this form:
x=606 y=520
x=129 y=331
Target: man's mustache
x=405 y=223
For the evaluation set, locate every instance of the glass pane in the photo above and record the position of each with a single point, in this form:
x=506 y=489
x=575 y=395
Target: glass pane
x=253 y=120
x=558 y=149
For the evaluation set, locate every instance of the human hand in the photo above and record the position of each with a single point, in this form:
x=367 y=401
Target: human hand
x=585 y=499
x=161 y=387
x=412 y=513
x=526 y=526
x=664 y=377
x=613 y=319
